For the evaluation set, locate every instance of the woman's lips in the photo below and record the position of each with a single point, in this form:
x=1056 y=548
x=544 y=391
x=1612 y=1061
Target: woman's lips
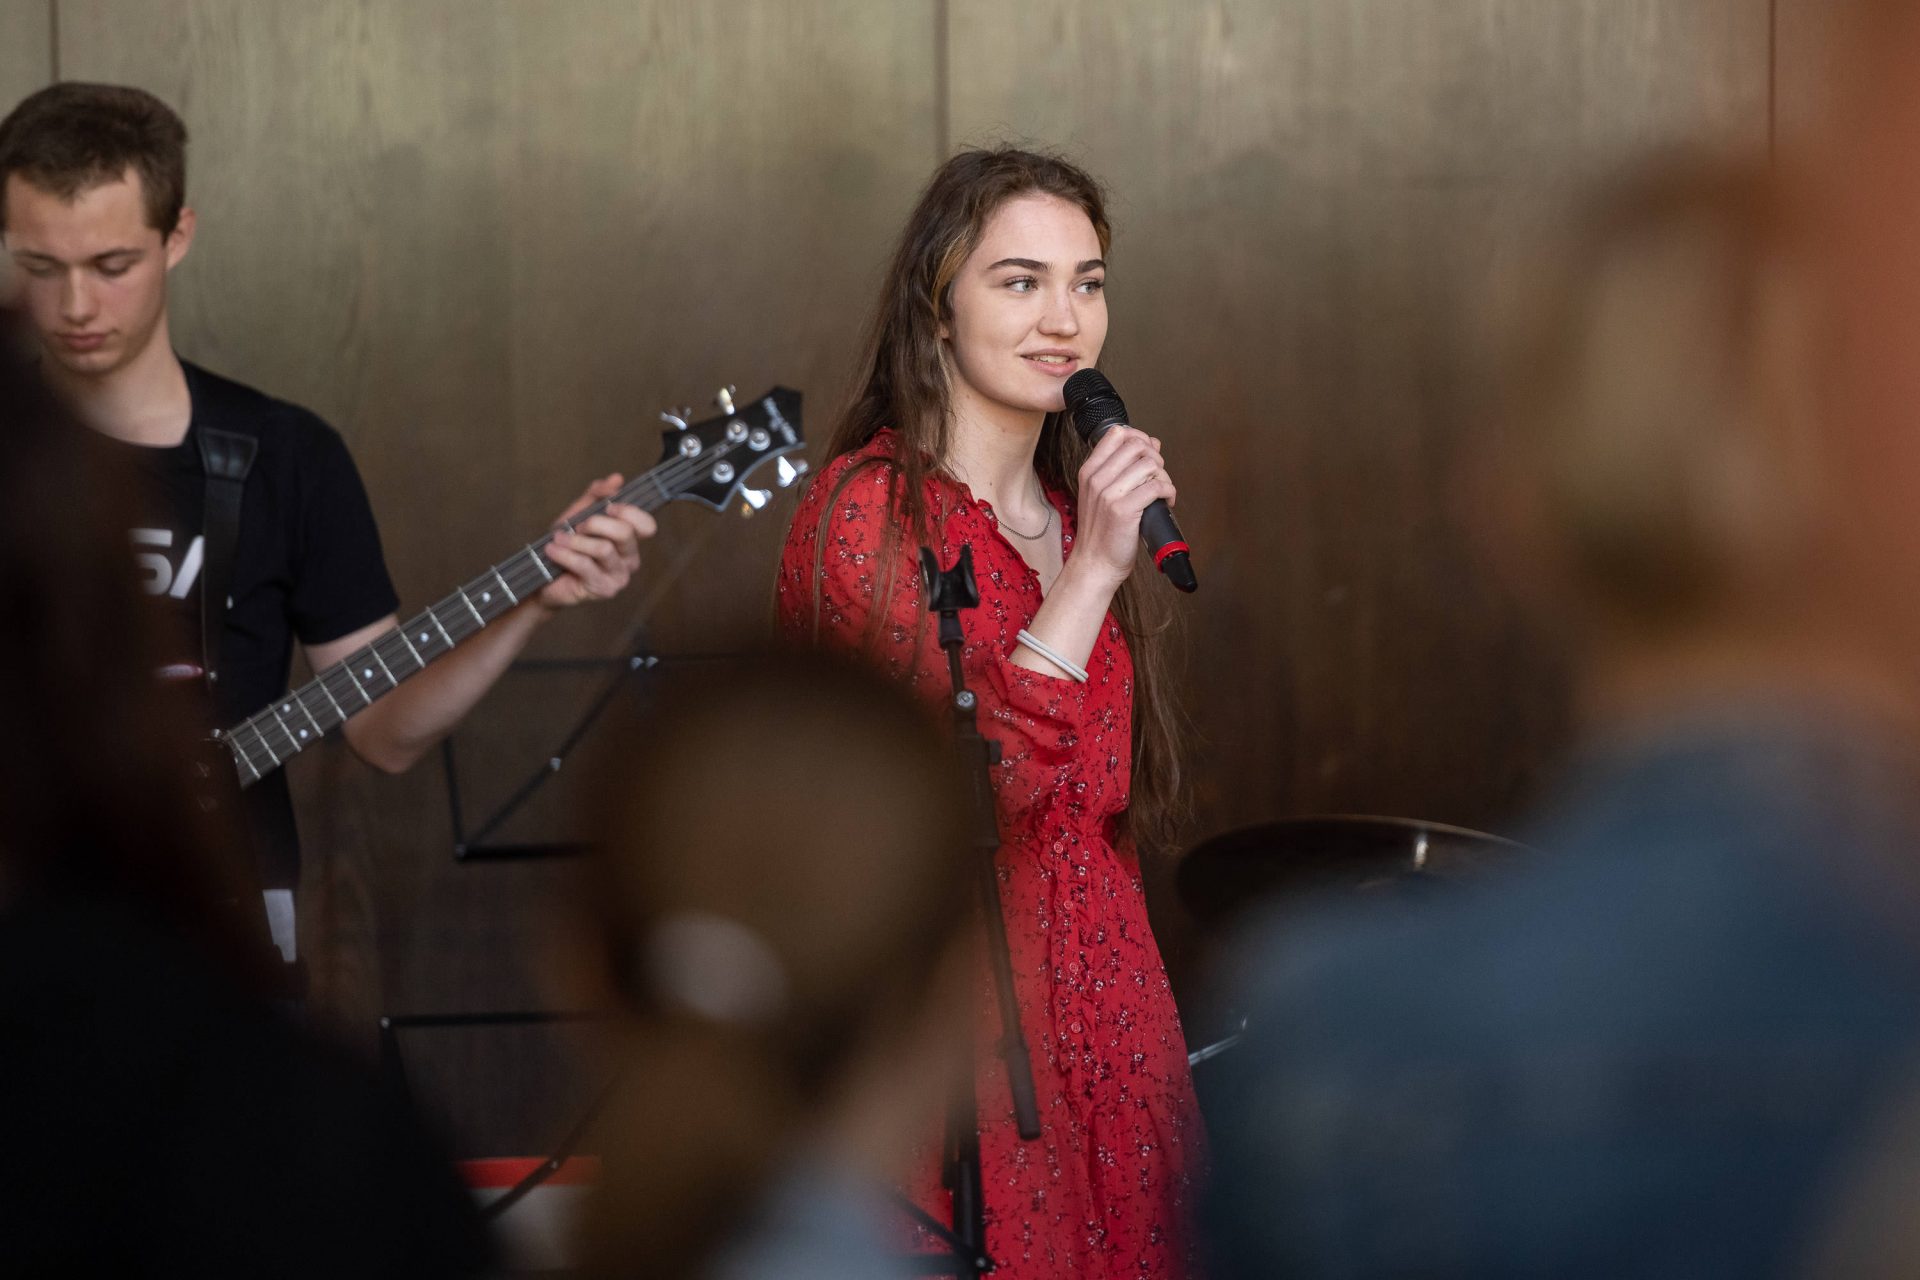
x=1059 y=367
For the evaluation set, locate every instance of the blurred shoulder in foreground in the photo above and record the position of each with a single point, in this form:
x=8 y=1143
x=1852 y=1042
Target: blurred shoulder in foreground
x=1651 y=1051
x=163 y=1115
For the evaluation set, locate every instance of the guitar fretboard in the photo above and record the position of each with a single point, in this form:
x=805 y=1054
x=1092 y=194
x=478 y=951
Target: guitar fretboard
x=274 y=735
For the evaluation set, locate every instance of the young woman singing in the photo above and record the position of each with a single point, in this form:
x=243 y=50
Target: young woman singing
x=956 y=436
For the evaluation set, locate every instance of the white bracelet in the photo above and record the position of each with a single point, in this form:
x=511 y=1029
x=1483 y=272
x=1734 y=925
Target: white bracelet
x=1032 y=642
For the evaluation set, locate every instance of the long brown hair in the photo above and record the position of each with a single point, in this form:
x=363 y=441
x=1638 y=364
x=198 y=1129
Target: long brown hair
x=902 y=383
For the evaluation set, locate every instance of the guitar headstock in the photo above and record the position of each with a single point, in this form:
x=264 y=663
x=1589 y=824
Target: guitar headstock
x=709 y=461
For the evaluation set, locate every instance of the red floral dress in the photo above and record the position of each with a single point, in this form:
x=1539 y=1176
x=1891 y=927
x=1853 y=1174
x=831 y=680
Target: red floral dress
x=1109 y=1187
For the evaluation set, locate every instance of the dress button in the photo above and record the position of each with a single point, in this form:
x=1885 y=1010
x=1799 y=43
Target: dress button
x=1059 y=846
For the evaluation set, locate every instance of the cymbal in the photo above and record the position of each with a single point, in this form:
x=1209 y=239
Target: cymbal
x=1330 y=853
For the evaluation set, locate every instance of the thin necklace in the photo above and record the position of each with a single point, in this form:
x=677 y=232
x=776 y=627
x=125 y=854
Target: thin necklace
x=1031 y=537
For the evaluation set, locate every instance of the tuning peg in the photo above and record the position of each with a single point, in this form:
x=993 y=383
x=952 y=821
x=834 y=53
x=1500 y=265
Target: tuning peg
x=788 y=471
x=678 y=421
x=725 y=399
x=752 y=500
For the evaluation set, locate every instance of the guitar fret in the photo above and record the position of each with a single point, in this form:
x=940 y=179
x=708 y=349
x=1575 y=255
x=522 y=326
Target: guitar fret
x=356 y=685
x=383 y=665
x=462 y=593
x=410 y=649
x=260 y=741
x=400 y=655
x=540 y=564
x=267 y=745
x=426 y=637
x=283 y=729
x=299 y=700
x=503 y=584
x=269 y=720
x=366 y=672
x=322 y=682
x=527 y=582
x=442 y=629
x=240 y=754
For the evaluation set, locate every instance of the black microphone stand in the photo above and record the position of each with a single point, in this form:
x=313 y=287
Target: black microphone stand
x=948 y=592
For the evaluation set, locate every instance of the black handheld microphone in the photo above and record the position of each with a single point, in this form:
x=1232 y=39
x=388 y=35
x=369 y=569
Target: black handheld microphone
x=1095 y=407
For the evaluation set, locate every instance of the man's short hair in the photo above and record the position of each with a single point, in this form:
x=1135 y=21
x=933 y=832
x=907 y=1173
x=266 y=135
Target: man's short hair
x=69 y=138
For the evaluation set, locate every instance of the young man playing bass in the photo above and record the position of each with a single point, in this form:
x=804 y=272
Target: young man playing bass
x=93 y=213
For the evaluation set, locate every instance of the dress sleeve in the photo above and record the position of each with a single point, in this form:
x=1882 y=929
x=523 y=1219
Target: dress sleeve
x=835 y=571
x=1041 y=716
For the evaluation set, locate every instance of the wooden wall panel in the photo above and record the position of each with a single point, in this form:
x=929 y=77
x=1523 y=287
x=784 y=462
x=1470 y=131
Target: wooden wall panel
x=1301 y=192
x=1809 y=43
x=26 y=54
x=26 y=64
x=699 y=189
x=489 y=241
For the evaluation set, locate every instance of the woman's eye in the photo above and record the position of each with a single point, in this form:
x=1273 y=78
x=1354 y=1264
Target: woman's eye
x=1092 y=286
x=1023 y=284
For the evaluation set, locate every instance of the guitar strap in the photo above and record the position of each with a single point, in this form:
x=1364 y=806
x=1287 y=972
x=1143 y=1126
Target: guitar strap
x=226 y=457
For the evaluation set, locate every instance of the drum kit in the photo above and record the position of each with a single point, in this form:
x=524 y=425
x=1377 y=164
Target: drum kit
x=1299 y=859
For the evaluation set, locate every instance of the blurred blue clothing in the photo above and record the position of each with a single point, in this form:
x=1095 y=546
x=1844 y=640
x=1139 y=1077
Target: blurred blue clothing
x=819 y=1221
x=1649 y=1052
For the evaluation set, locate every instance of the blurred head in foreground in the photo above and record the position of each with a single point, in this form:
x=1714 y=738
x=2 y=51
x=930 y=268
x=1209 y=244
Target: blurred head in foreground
x=96 y=795
x=775 y=916
x=1667 y=460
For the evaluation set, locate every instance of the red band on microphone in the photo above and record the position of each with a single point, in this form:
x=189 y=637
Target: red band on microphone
x=1168 y=550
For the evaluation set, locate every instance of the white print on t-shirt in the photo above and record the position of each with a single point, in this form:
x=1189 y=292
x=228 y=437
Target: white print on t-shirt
x=162 y=578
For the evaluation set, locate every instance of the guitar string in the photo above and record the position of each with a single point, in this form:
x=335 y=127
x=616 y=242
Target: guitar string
x=662 y=479
x=522 y=579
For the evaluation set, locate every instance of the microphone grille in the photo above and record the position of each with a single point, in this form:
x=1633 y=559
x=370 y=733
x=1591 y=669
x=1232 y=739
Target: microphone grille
x=1093 y=402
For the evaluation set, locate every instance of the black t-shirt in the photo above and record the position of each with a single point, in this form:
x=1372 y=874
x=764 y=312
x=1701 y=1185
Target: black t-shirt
x=307 y=565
